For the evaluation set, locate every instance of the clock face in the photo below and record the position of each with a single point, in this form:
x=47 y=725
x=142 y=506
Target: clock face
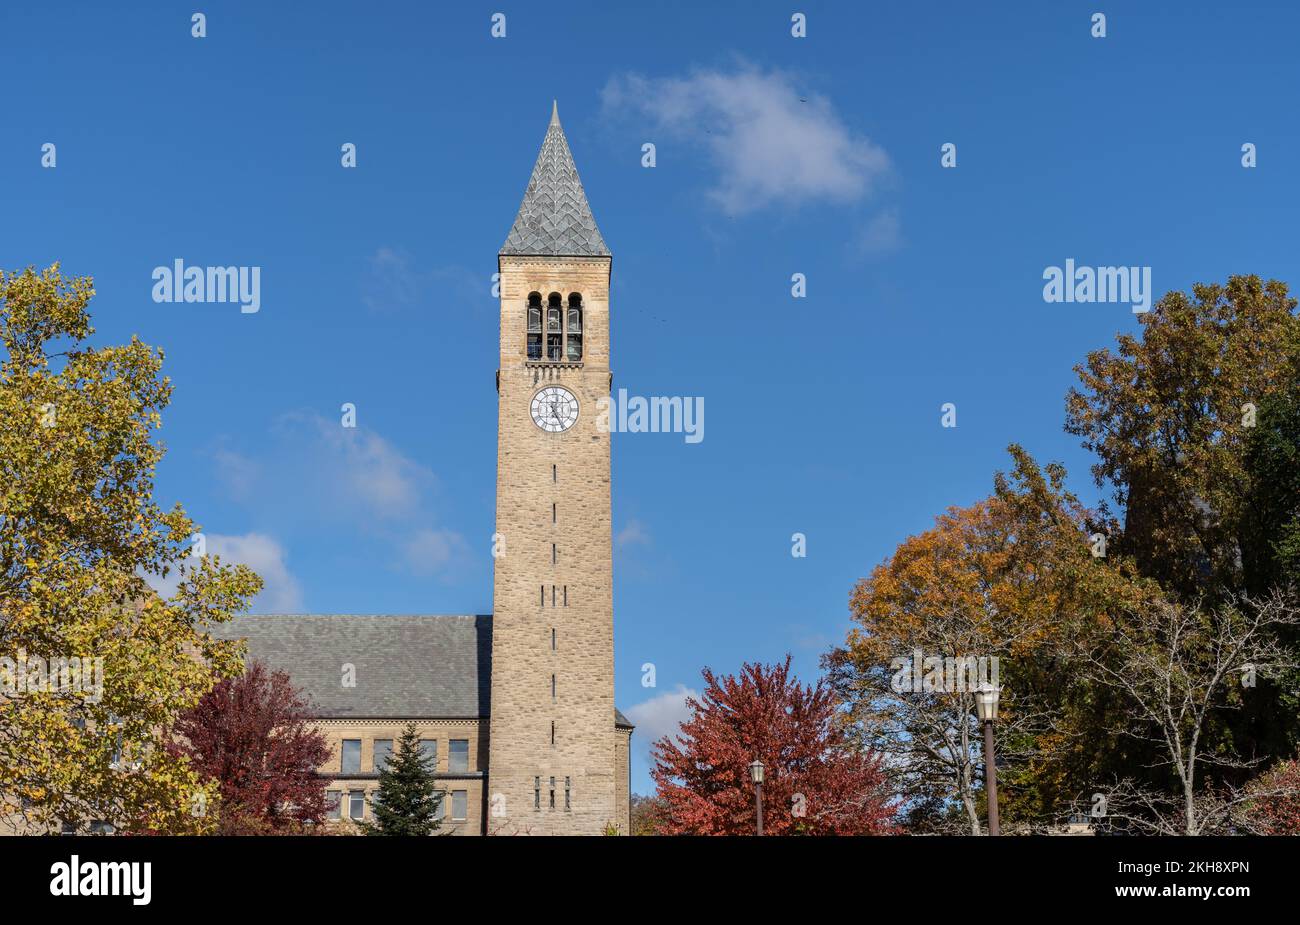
x=554 y=409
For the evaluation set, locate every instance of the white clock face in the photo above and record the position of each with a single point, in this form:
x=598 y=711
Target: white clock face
x=555 y=409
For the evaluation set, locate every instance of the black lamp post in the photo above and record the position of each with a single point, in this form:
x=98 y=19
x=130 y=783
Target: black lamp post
x=756 y=775
x=986 y=704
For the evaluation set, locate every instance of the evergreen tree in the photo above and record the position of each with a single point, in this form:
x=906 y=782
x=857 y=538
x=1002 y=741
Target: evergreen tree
x=408 y=801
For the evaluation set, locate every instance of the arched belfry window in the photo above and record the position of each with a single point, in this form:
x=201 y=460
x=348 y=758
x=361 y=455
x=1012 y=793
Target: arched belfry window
x=554 y=328
x=573 y=328
x=534 y=325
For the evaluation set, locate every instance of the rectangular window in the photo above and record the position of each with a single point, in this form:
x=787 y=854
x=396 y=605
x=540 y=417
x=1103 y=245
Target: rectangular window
x=552 y=793
x=459 y=805
x=458 y=756
x=555 y=473
x=383 y=751
x=333 y=801
x=567 y=804
x=351 y=763
x=356 y=804
x=573 y=332
x=534 y=332
x=429 y=748
x=537 y=793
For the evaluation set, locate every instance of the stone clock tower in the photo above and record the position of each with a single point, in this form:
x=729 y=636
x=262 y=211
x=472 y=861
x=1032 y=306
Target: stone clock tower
x=552 y=767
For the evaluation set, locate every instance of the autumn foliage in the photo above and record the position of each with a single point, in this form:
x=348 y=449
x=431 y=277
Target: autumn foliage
x=253 y=736
x=1275 y=809
x=81 y=539
x=816 y=783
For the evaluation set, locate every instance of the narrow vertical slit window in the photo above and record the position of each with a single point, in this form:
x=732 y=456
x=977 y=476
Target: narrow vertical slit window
x=554 y=511
x=555 y=556
x=552 y=639
x=552 y=793
x=552 y=687
x=543 y=595
x=555 y=473
x=552 y=736
x=567 y=790
x=537 y=792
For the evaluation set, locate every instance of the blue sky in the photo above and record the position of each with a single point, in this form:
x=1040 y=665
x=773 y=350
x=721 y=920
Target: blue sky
x=775 y=156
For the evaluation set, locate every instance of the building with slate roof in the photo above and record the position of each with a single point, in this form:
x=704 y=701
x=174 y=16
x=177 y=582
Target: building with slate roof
x=516 y=708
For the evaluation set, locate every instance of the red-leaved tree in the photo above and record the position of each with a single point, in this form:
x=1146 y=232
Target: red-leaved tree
x=815 y=782
x=1274 y=805
x=253 y=735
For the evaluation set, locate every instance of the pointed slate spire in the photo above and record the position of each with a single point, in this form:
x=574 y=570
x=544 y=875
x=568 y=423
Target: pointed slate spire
x=554 y=219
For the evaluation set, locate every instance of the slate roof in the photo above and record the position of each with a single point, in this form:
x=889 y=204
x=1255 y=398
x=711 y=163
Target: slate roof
x=554 y=219
x=407 y=666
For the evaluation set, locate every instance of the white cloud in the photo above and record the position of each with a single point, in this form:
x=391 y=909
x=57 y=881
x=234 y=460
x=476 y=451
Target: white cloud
x=882 y=236
x=261 y=553
x=280 y=593
x=392 y=282
x=236 y=472
x=662 y=715
x=633 y=534
x=316 y=473
x=771 y=143
x=360 y=468
x=429 y=552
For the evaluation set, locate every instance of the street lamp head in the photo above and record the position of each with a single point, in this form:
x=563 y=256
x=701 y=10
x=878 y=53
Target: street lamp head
x=756 y=771
x=986 y=702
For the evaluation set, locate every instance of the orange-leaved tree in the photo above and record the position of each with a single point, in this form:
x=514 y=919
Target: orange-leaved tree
x=998 y=592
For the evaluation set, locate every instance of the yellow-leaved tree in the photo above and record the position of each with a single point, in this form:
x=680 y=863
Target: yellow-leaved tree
x=94 y=665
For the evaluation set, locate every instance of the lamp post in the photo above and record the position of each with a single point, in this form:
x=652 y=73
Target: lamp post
x=756 y=775
x=986 y=704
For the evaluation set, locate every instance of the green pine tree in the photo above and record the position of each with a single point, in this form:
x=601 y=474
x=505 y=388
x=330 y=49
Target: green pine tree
x=408 y=801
